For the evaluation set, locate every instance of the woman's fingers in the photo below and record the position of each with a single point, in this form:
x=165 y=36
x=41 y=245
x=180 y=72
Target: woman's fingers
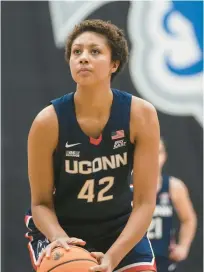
x=99 y=268
x=76 y=241
x=62 y=242
x=65 y=245
x=97 y=255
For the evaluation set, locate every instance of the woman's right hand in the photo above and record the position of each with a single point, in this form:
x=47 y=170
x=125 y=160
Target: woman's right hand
x=59 y=242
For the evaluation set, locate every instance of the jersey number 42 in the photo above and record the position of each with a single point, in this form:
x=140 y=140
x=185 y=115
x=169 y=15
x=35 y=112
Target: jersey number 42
x=87 y=191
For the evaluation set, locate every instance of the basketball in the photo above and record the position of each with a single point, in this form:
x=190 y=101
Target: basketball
x=76 y=259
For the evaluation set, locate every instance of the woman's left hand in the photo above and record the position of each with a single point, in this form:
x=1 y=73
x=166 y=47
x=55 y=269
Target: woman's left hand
x=104 y=261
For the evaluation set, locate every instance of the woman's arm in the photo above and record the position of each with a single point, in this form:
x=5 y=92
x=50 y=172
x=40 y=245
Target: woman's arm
x=187 y=217
x=42 y=141
x=145 y=133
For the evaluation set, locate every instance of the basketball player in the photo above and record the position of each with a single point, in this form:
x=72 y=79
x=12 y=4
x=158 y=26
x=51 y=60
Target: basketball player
x=81 y=151
x=172 y=194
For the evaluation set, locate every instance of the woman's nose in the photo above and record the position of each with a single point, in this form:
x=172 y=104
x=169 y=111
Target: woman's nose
x=84 y=57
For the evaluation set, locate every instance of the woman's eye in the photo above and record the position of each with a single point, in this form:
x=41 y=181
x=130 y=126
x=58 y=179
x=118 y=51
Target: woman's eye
x=95 y=52
x=77 y=51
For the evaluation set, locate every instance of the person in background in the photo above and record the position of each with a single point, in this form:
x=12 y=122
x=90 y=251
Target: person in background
x=172 y=196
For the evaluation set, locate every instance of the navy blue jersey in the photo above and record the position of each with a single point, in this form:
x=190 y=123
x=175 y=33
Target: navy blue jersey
x=92 y=195
x=160 y=228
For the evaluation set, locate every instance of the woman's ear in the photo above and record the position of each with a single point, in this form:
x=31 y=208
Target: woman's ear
x=115 y=66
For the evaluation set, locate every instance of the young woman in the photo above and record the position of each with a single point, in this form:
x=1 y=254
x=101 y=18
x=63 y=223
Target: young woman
x=172 y=195
x=81 y=151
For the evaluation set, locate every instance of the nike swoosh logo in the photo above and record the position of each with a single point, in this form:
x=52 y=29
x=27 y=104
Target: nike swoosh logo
x=70 y=145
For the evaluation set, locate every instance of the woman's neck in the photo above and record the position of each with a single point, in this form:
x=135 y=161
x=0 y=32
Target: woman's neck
x=93 y=99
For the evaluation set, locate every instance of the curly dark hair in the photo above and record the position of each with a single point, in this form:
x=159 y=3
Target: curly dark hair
x=115 y=38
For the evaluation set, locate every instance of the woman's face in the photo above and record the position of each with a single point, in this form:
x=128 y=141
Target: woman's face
x=90 y=60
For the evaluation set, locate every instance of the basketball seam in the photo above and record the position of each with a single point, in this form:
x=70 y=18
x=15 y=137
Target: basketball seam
x=74 y=260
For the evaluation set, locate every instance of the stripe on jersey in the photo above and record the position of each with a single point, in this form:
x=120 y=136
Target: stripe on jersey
x=27 y=220
x=30 y=248
x=136 y=267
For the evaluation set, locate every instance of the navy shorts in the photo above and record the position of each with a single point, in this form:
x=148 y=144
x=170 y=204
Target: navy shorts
x=140 y=258
x=165 y=265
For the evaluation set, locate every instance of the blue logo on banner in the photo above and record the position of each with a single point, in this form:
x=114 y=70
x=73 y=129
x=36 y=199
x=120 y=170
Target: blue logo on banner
x=193 y=12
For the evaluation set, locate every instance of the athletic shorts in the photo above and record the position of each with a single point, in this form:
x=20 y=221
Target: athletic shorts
x=140 y=258
x=165 y=265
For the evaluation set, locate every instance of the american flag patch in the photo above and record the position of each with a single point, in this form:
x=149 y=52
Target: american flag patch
x=117 y=134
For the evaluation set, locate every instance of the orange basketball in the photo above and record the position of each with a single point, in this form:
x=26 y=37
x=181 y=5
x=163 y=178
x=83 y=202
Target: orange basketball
x=77 y=259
